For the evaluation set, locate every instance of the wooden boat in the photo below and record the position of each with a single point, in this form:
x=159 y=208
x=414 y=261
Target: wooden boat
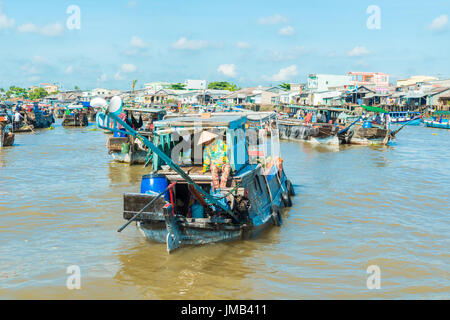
x=125 y=148
x=76 y=118
x=360 y=135
x=128 y=149
x=6 y=134
x=39 y=120
x=317 y=133
x=250 y=203
x=91 y=114
x=442 y=124
x=58 y=112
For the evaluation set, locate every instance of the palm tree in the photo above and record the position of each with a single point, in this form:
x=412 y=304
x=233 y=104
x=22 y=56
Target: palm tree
x=285 y=86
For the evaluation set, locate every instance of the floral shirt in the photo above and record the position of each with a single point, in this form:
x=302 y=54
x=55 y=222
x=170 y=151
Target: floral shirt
x=215 y=154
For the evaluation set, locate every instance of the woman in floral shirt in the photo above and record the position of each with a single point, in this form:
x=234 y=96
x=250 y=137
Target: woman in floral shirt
x=215 y=158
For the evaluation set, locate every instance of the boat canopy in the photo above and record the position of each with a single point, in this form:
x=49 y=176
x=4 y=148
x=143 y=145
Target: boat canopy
x=373 y=109
x=232 y=125
x=228 y=121
x=148 y=110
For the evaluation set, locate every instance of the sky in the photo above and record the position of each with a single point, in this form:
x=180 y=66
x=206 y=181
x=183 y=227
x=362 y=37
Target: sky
x=246 y=42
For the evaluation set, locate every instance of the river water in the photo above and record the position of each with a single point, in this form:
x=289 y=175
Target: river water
x=61 y=205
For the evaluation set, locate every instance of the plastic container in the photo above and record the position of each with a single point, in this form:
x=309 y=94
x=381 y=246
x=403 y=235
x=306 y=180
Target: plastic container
x=367 y=124
x=155 y=183
x=120 y=134
x=197 y=211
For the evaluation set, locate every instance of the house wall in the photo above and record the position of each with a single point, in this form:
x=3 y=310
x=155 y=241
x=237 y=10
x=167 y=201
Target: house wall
x=195 y=84
x=323 y=82
x=371 y=79
x=436 y=99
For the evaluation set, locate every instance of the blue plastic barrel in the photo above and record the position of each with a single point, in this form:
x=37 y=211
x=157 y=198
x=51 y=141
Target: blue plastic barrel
x=120 y=134
x=367 y=124
x=155 y=183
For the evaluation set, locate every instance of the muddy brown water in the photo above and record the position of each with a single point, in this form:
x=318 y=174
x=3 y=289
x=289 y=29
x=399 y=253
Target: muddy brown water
x=61 y=202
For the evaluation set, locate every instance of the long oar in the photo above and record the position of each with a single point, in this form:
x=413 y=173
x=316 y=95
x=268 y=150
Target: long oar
x=405 y=124
x=351 y=125
x=148 y=205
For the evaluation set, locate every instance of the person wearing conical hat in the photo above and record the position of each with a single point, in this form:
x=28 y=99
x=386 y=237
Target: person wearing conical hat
x=215 y=158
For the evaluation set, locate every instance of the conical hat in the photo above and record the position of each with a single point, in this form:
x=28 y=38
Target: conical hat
x=206 y=136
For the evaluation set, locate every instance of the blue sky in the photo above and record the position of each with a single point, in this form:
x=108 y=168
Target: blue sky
x=246 y=42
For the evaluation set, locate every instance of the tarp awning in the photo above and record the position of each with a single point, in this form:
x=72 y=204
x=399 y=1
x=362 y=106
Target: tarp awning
x=442 y=112
x=374 y=109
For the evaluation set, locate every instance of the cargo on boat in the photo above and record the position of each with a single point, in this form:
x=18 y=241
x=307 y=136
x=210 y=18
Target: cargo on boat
x=75 y=116
x=125 y=148
x=177 y=204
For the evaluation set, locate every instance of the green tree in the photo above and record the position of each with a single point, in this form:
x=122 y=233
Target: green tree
x=2 y=90
x=76 y=88
x=177 y=86
x=14 y=91
x=37 y=94
x=223 y=85
x=285 y=86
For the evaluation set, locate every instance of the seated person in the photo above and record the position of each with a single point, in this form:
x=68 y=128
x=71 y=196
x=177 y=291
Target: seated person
x=215 y=158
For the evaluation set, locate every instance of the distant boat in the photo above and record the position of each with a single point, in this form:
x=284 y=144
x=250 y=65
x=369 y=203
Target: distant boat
x=444 y=124
x=75 y=116
x=401 y=117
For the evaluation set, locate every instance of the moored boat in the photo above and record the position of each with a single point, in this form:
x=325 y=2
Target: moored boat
x=442 y=124
x=6 y=134
x=410 y=117
x=177 y=205
x=75 y=116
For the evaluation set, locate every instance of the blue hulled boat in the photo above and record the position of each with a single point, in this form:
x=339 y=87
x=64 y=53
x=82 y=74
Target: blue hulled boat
x=410 y=117
x=176 y=204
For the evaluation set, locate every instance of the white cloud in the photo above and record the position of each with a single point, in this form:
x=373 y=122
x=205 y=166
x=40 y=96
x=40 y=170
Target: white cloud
x=291 y=54
x=28 y=27
x=29 y=69
x=118 y=76
x=284 y=74
x=275 y=19
x=103 y=77
x=185 y=44
x=40 y=60
x=137 y=42
x=358 y=52
x=227 y=69
x=286 y=31
x=5 y=22
x=439 y=23
x=69 y=70
x=243 y=45
x=128 y=68
x=131 y=4
x=52 y=30
x=49 y=30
